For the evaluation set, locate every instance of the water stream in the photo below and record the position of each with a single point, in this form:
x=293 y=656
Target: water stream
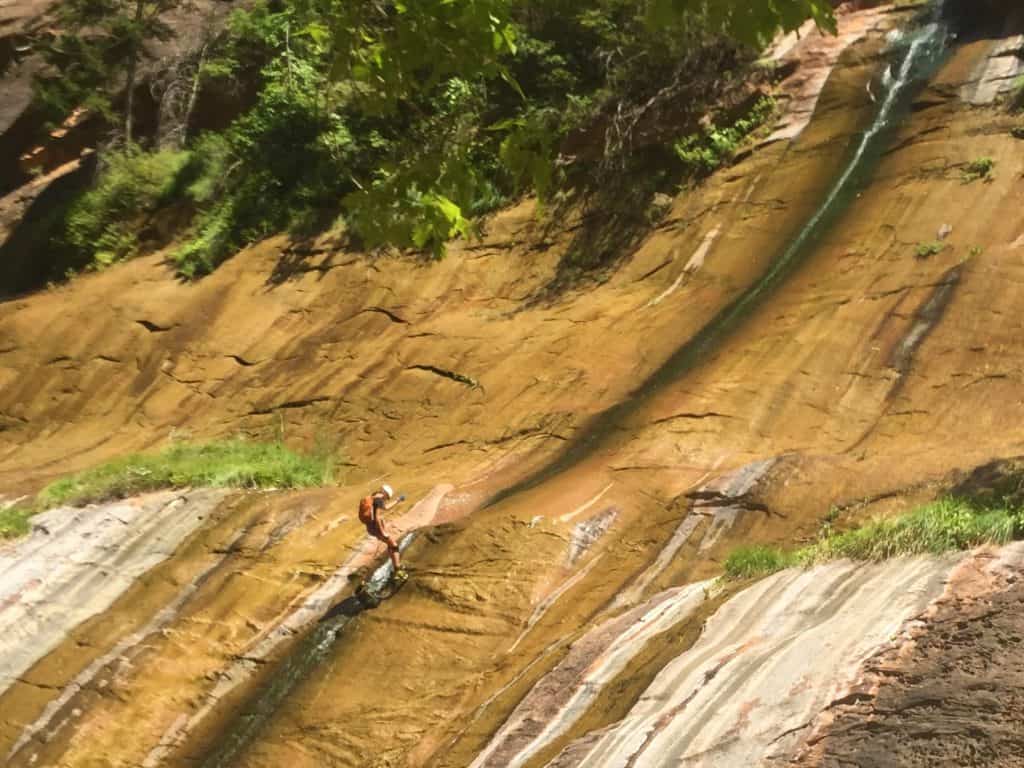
x=303 y=659
x=915 y=57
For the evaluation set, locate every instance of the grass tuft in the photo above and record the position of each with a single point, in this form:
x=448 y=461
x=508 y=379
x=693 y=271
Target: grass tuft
x=756 y=561
x=14 y=520
x=231 y=463
x=943 y=526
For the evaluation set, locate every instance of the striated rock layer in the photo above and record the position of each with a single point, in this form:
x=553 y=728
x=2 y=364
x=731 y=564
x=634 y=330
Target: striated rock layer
x=952 y=695
x=783 y=655
x=77 y=563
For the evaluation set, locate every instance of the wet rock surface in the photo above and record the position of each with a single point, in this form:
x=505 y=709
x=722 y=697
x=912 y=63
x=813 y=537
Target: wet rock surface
x=562 y=697
x=77 y=562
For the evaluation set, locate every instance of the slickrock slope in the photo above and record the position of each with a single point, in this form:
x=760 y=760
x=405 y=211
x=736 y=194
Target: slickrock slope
x=953 y=696
x=77 y=562
x=579 y=464
x=775 y=662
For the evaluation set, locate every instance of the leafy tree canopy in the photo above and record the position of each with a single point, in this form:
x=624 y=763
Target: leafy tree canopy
x=410 y=117
x=753 y=23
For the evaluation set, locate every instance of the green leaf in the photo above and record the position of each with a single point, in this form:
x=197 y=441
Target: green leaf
x=318 y=32
x=451 y=211
x=510 y=39
x=421 y=234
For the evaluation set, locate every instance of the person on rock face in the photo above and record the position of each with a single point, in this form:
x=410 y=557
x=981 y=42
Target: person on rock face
x=370 y=508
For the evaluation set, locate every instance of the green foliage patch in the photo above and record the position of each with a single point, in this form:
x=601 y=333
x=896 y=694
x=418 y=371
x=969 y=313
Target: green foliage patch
x=102 y=225
x=979 y=168
x=751 y=22
x=408 y=120
x=943 y=526
x=233 y=463
x=702 y=153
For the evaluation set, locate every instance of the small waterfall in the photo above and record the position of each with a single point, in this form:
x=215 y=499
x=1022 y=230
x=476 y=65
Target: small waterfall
x=917 y=53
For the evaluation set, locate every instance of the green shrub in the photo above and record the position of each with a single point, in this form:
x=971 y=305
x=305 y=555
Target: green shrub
x=980 y=168
x=943 y=526
x=271 y=171
x=101 y=225
x=704 y=152
x=232 y=463
x=204 y=177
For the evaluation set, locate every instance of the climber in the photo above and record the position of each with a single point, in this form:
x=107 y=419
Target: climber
x=370 y=508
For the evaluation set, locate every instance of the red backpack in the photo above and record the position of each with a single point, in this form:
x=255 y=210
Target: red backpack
x=366 y=510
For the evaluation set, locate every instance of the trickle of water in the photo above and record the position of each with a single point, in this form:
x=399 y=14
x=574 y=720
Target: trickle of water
x=311 y=651
x=918 y=53
x=919 y=58
x=894 y=36
x=888 y=78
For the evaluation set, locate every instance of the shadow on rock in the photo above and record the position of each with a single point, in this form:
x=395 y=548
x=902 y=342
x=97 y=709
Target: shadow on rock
x=348 y=608
x=996 y=483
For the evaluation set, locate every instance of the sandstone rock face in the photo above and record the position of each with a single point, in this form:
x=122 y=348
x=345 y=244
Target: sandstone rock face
x=77 y=562
x=781 y=656
x=578 y=467
x=927 y=699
